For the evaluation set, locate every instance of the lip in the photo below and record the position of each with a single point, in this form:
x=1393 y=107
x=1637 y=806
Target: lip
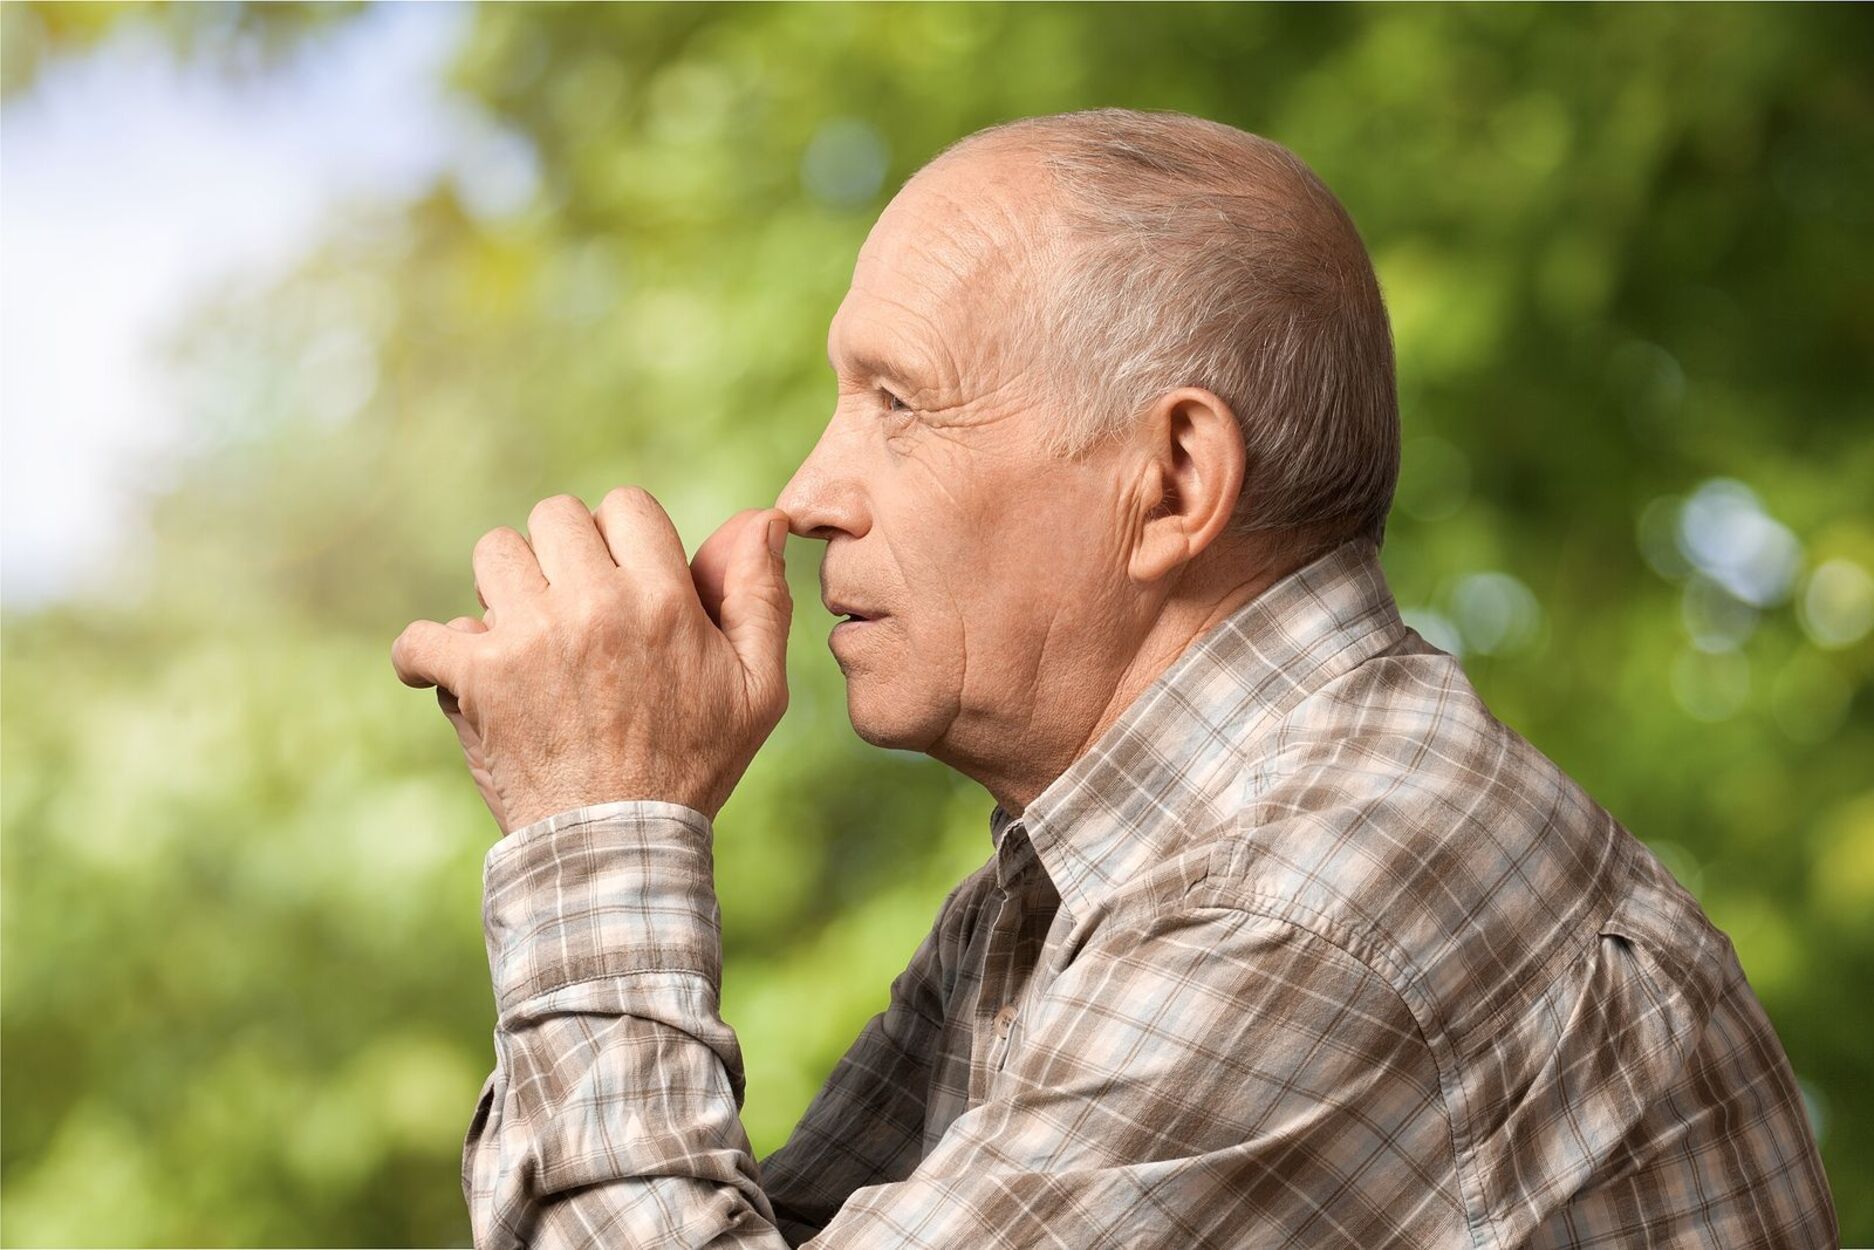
x=839 y=608
x=847 y=629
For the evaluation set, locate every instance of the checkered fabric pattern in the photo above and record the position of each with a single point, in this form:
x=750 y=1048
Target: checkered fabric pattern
x=1308 y=950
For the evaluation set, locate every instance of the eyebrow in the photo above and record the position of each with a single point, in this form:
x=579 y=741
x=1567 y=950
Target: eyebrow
x=874 y=365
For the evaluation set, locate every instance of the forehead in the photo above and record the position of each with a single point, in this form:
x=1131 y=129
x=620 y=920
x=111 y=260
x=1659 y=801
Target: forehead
x=941 y=263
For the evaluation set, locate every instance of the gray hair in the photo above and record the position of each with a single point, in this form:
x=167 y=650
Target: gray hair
x=1201 y=255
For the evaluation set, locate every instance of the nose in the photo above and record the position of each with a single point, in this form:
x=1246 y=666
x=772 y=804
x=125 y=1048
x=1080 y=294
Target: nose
x=825 y=497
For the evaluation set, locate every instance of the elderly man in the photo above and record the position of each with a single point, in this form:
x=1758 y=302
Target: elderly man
x=1283 y=939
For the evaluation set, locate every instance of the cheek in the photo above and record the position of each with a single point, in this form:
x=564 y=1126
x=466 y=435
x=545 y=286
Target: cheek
x=1048 y=550
x=977 y=533
x=935 y=530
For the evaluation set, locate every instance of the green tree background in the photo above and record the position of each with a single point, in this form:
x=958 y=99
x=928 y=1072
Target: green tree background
x=1627 y=256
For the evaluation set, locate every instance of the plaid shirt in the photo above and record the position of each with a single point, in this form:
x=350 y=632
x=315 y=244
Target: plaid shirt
x=1308 y=950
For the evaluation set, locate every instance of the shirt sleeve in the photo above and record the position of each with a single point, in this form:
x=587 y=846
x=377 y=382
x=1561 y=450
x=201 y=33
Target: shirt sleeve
x=1204 y=1077
x=612 y=1113
x=612 y=1116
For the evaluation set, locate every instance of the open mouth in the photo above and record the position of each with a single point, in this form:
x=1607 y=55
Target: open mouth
x=851 y=622
x=846 y=616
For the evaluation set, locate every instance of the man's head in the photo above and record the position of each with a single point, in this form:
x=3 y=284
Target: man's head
x=1100 y=374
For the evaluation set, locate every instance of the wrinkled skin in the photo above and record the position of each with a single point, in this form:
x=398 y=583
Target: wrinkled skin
x=1021 y=600
x=607 y=666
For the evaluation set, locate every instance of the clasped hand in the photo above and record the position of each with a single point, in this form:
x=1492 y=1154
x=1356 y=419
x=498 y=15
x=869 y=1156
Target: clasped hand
x=606 y=666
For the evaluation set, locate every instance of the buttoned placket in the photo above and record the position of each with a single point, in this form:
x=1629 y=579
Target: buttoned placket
x=1023 y=916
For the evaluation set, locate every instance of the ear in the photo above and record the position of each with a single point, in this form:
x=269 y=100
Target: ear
x=1192 y=473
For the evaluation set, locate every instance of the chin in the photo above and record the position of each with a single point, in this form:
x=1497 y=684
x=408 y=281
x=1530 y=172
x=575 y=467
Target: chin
x=881 y=716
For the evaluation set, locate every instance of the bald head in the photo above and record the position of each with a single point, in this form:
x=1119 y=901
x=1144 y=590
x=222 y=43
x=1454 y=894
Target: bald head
x=1164 y=250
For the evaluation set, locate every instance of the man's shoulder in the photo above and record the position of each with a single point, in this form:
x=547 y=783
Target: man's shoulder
x=1391 y=812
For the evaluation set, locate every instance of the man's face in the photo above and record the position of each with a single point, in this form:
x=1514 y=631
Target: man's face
x=988 y=568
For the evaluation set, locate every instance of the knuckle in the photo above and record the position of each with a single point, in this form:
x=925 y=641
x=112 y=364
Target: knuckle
x=562 y=503
x=495 y=539
x=630 y=493
x=409 y=656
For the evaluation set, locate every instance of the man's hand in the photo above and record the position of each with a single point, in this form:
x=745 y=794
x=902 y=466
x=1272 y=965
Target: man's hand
x=605 y=668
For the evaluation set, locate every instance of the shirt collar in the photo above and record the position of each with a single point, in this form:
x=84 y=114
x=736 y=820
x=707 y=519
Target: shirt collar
x=1161 y=772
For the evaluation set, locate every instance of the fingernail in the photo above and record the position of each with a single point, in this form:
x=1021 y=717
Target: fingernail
x=777 y=534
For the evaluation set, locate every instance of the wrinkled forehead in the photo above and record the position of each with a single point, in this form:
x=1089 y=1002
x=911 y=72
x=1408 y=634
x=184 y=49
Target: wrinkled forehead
x=953 y=255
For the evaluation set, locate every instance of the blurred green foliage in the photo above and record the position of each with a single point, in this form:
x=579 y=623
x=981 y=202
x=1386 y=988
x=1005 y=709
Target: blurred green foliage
x=1627 y=256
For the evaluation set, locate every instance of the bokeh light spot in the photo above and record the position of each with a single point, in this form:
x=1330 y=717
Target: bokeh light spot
x=1435 y=628
x=1837 y=607
x=1715 y=618
x=1658 y=536
x=499 y=176
x=1496 y=613
x=845 y=162
x=1725 y=532
x=1711 y=686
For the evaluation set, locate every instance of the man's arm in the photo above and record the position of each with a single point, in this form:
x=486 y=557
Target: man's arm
x=1207 y=1075
x=611 y=1117
x=864 y=1126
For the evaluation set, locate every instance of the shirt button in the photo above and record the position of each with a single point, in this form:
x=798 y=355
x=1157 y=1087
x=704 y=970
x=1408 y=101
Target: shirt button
x=1005 y=1020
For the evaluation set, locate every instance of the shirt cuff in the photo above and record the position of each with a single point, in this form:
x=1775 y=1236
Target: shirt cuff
x=607 y=890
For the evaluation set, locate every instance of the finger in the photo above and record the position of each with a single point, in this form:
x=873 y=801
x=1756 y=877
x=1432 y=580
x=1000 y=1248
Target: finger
x=428 y=654
x=567 y=542
x=756 y=606
x=468 y=625
x=641 y=539
x=505 y=569
x=710 y=569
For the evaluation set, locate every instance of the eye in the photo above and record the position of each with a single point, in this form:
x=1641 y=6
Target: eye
x=898 y=413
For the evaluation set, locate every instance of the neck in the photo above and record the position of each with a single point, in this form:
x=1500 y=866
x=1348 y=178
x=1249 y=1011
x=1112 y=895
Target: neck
x=1046 y=745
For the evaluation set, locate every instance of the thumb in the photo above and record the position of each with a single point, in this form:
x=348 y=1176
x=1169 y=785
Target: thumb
x=757 y=607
